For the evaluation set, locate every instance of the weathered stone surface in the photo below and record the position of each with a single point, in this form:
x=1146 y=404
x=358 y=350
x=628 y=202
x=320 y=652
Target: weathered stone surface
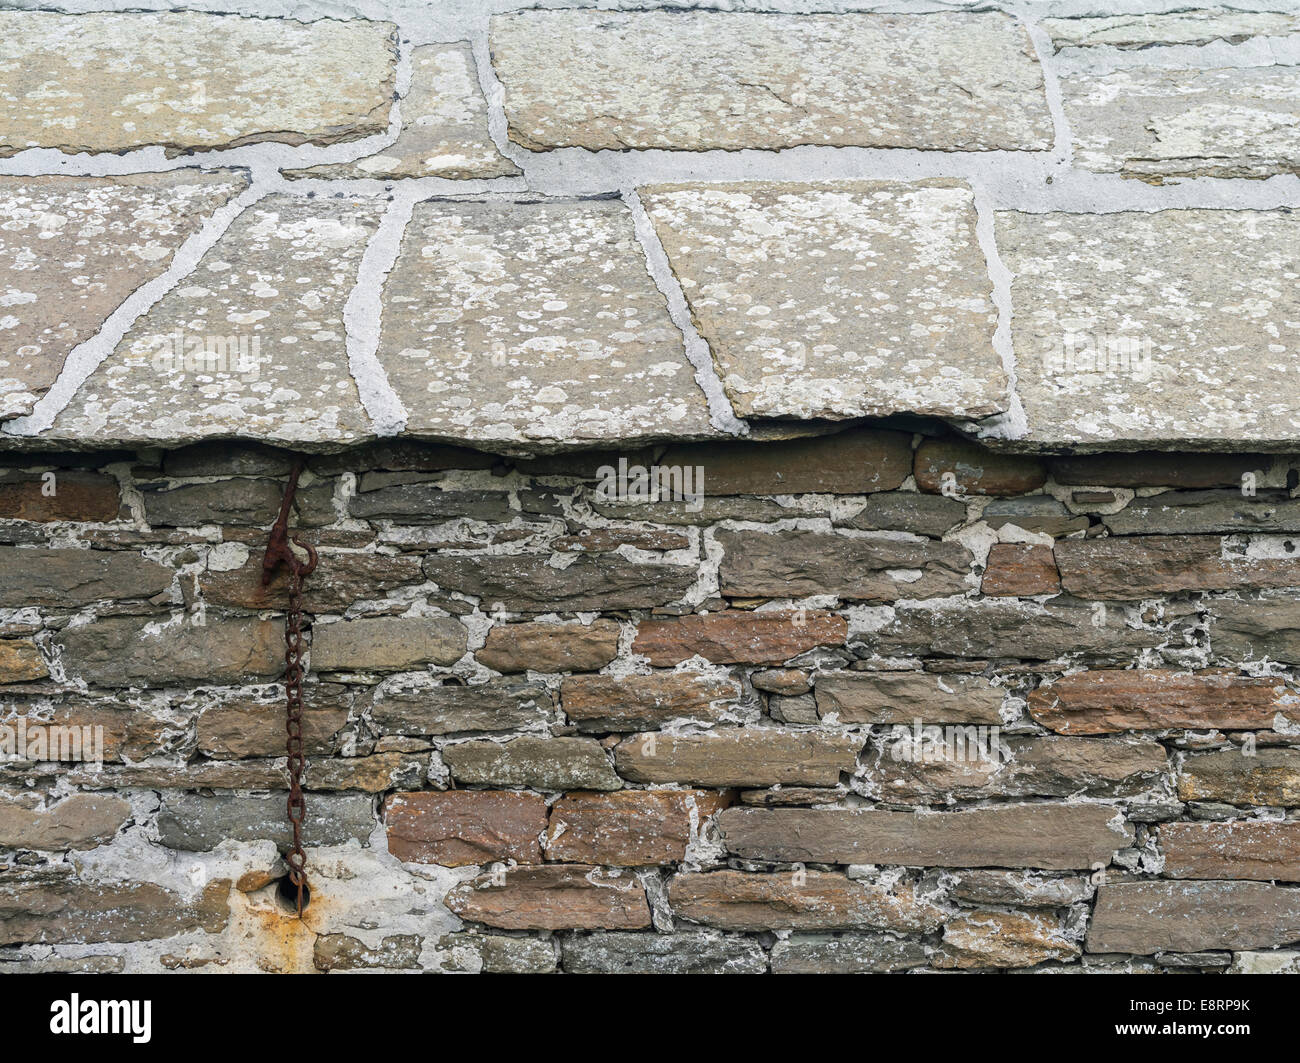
x=218 y=775
x=1278 y=962
x=81 y=821
x=1053 y=837
x=977 y=766
x=739 y=757
x=444 y=126
x=1011 y=629
x=120 y=231
x=1178 y=27
x=427 y=503
x=678 y=953
x=340 y=952
x=1265 y=628
x=187 y=81
x=958 y=466
x=630 y=828
x=69 y=578
x=49 y=909
x=1003 y=939
x=809 y=900
x=540 y=763
x=1110 y=700
x=1135 y=566
x=707 y=511
x=1153 y=124
x=254 y=361
x=227 y=459
x=64 y=729
x=21 y=661
x=1015 y=570
x=1022 y=889
x=846 y=463
x=194 y=823
x=424 y=709
x=340 y=581
x=130 y=651
x=645 y=702
x=738 y=636
x=846 y=954
x=1035 y=513
x=1203 y=512
x=1155 y=468
x=65 y=495
x=387 y=643
x=909 y=512
x=607 y=540
x=372 y=774
x=558 y=897
x=795 y=564
x=236 y=501
x=1150 y=917
x=497 y=954
x=1267 y=777
x=851 y=299
x=550 y=647
x=1251 y=849
x=701 y=80
x=528 y=582
x=792 y=796
x=250 y=728
x=459 y=827
x=901 y=697
x=533 y=322
x=1129 y=327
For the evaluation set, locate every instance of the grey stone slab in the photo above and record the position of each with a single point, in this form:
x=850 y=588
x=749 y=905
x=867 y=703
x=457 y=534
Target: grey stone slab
x=115 y=81
x=844 y=299
x=73 y=248
x=251 y=344
x=1177 y=328
x=444 y=126
x=534 y=323
x=1153 y=124
x=700 y=80
x=1199 y=26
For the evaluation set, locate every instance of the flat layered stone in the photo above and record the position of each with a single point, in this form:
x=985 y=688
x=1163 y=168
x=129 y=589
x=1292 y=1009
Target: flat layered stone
x=1136 y=566
x=678 y=953
x=497 y=954
x=251 y=344
x=810 y=900
x=907 y=512
x=542 y=647
x=371 y=774
x=1003 y=939
x=1265 y=628
x=21 y=661
x=864 y=953
x=849 y=299
x=63 y=729
x=1035 y=513
x=1178 y=27
x=558 y=897
x=902 y=697
x=739 y=757
x=100 y=238
x=81 y=821
x=1252 y=849
x=530 y=583
x=1016 y=570
x=340 y=581
x=796 y=564
x=195 y=823
x=1135 y=329
x=387 y=643
x=1155 y=468
x=699 y=80
x=1206 y=512
x=1020 y=889
x=628 y=828
x=81 y=496
x=1106 y=701
x=444 y=126
x=104 y=82
x=645 y=702
x=426 y=503
x=70 y=578
x=139 y=651
x=737 y=636
x=534 y=322
x=422 y=708
x=339 y=952
x=1154 y=124
x=540 y=763
x=1054 y=837
x=1269 y=777
x=1151 y=917
x=459 y=827
x=234 y=501
x=957 y=467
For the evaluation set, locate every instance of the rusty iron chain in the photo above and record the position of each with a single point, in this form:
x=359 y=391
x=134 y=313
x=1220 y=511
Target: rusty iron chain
x=280 y=550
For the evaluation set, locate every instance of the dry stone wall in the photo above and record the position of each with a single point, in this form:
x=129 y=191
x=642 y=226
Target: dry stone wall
x=963 y=338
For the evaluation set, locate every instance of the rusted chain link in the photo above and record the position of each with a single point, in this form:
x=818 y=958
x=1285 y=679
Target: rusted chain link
x=280 y=549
